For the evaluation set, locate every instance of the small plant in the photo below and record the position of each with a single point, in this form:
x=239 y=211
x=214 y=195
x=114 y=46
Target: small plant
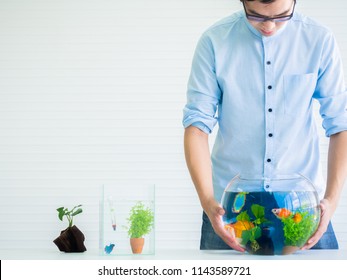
x=141 y=220
x=253 y=233
x=62 y=211
x=71 y=239
x=297 y=232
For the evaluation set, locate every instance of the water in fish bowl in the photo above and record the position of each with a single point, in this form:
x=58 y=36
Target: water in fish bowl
x=271 y=223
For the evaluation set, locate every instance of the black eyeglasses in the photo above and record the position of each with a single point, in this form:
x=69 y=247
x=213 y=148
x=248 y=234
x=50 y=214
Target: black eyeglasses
x=263 y=18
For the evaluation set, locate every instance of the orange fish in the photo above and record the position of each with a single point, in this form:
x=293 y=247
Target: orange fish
x=297 y=218
x=281 y=212
x=239 y=227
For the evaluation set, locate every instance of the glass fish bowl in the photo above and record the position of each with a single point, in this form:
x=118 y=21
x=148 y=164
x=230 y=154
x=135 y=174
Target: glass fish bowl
x=271 y=216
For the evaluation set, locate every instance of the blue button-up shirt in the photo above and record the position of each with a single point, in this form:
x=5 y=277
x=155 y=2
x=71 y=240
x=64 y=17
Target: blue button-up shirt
x=260 y=91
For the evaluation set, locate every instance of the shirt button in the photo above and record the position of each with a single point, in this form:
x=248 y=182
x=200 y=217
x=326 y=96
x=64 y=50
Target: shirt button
x=270 y=110
x=267 y=186
x=268 y=160
x=270 y=134
x=269 y=87
x=268 y=62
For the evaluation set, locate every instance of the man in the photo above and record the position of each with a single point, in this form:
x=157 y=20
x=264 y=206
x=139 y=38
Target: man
x=256 y=73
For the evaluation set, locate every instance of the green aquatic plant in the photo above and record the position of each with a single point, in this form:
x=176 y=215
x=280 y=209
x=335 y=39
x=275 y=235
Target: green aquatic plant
x=243 y=216
x=297 y=233
x=259 y=214
x=253 y=233
x=251 y=236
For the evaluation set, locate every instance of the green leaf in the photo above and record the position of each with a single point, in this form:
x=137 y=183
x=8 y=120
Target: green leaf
x=246 y=236
x=78 y=211
x=258 y=211
x=61 y=213
x=243 y=216
x=257 y=232
x=263 y=220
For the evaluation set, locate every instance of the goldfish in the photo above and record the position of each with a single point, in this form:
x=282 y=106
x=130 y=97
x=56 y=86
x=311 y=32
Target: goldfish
x=285 y=213
x=239 y=227
x=297 y=218
x=281 y=213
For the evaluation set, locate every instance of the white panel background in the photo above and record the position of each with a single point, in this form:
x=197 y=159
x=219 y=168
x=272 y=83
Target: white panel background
x=91 y=93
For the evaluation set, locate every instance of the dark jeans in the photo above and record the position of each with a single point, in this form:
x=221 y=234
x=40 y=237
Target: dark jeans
x=211 y=241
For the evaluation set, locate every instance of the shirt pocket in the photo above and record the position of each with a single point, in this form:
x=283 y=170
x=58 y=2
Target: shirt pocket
x=298 y=92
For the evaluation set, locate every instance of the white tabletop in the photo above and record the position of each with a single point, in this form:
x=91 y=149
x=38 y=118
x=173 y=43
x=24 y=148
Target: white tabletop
x=170 y=255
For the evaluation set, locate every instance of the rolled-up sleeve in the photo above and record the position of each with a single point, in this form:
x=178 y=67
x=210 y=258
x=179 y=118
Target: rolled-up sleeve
x=203 y=92
x=331 y=89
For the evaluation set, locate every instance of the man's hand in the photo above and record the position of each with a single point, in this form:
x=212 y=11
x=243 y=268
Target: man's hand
x=215 y=212
x=326 y=213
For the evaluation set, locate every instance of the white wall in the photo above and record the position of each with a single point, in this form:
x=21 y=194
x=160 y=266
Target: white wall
x=91 y=93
